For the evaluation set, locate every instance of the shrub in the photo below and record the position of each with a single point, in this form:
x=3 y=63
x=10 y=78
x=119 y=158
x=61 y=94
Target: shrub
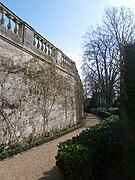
x=114 y=111
x=101 y=112
x=109 y=148
x=96 y=153
x=75 y=160
x=128 y=82
x=104 y=113
x=128 y=101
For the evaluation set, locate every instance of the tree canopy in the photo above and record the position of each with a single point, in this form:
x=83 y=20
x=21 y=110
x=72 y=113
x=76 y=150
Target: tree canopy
x=103 y=47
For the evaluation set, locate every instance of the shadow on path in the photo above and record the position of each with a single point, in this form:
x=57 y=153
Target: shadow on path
x=53 y=174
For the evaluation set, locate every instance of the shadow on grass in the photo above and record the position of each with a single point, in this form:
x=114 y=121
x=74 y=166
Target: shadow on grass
x=53 y=174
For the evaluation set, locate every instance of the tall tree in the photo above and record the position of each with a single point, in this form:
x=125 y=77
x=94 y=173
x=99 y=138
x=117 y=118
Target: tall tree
x=103 y=52
x=120 y=24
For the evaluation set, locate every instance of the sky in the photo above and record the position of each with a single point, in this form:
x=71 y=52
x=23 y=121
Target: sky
x=64 y=22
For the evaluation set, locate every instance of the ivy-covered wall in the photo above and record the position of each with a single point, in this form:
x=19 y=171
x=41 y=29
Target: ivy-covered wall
x=36 y=97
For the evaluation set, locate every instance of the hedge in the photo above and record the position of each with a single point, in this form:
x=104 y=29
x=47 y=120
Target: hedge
x=107 y=150
x=96 y=154
x=128 y=82
x=104 y=113
x=128 y=101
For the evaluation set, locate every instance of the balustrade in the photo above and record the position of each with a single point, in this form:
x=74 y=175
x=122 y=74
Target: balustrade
x=11 y=21
x=45 y=46
x=66 y=61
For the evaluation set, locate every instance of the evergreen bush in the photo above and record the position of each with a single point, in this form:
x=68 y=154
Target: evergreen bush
x=97 y=153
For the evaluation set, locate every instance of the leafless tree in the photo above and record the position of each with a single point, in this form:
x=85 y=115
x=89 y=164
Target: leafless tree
x=120 y=24
x=103 y=53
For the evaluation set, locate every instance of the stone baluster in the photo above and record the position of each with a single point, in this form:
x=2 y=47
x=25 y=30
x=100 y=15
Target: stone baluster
x=49 y=50
x=42 y=45
x=38 y=43
x=34 y=41
x=20 y=30
x=66 y=61
x=52 y=51
x=55 y=55
x=9 y=21
x=15 y=29
x=2 y=17
x=63 y=59
x=45 y=50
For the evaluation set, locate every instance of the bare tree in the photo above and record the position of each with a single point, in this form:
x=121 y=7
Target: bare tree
x=120 y=24
x=103 y=53
x=100 y=58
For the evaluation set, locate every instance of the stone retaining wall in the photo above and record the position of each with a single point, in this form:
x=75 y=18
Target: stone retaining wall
x=40 y=89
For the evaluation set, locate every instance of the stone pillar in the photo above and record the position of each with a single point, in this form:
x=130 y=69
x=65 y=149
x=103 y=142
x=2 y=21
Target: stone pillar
x=58 y=56
x=28 y=35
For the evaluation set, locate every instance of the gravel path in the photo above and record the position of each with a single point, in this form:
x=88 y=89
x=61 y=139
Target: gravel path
x=38 y=163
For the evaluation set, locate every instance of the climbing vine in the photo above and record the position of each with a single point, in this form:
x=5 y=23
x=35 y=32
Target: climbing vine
x=35 y=99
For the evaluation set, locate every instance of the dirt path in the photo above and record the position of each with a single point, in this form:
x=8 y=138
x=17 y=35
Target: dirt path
x=38 y=163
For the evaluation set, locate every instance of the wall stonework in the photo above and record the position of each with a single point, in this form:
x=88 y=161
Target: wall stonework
x=39 y=88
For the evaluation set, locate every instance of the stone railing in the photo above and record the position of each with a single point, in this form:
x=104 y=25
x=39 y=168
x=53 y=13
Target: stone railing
x=44 y=45
x=11 y=22
x=31 y=39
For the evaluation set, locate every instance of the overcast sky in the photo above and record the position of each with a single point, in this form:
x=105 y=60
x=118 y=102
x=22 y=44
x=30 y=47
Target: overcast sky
x=64 y=22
